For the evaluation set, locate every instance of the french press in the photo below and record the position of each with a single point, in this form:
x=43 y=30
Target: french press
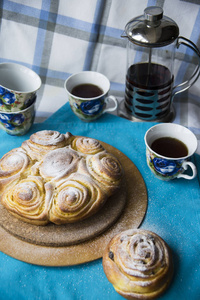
x=150 y=89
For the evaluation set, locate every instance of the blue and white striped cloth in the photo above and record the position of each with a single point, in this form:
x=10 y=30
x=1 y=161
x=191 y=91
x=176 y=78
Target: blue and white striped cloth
x=58 y=38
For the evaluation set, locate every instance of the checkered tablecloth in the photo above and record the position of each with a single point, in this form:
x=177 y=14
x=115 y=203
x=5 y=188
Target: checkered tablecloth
x=58 y=38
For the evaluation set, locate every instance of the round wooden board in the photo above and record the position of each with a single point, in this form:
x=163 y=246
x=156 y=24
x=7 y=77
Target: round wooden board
x=131 y=217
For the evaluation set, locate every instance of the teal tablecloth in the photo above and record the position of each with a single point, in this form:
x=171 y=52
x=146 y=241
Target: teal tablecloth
x=173 y=213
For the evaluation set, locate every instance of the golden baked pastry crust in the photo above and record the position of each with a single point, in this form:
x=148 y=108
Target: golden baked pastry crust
x=57 y=178
x=139 y=264
x=44 y=141
x=12 y=165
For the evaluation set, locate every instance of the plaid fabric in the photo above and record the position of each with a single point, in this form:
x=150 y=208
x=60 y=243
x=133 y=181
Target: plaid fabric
x=58 y=38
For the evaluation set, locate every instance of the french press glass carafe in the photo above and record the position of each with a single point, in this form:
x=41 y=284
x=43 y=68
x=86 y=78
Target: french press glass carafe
x=152 y=41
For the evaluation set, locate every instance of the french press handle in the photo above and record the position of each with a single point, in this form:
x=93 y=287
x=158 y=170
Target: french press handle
x=188 y=83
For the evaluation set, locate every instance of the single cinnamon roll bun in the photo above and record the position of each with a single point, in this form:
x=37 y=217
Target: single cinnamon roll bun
x=41 y=142
x=87 y=145
x=106 y=169
x=12 y=165
x=77 y=198
x=59 y=163
x=27 y=199
x=139 y=264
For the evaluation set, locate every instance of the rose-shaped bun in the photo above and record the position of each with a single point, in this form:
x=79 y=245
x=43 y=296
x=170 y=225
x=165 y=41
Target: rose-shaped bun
x=41 y=142
x=59 y=164
x=106 y=169
x=139 y=264
x=87 y=145
x=77 y=198
x=26 y=200
x=12 y=165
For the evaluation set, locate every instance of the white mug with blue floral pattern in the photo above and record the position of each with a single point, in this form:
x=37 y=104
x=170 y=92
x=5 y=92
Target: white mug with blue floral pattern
x=18 y=87
x=167 y=168
x=89 y=109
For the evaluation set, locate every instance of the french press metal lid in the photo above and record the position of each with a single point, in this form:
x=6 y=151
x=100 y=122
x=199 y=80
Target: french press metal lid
x=152 y=29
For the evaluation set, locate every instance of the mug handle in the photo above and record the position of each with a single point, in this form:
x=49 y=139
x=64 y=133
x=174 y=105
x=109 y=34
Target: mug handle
x=185 y=166
x=107 y=100
x=188 y=83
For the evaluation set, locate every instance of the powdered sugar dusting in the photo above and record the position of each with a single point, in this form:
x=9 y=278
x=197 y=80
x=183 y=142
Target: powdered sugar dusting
x=47 y=137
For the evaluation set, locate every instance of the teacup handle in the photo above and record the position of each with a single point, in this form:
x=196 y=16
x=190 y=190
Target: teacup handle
x=107 y=100
x=185 y=166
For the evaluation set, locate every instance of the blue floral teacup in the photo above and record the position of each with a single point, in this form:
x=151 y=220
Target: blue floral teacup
x=90 y=107
x=18 y=87
x=169 y=167
x=18 y=123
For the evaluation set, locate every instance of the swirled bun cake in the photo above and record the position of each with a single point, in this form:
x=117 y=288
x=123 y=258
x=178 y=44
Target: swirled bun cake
x=59 y=178
x=139 y=264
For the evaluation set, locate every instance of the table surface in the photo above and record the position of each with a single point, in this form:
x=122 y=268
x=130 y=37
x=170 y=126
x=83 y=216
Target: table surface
x=57 y=39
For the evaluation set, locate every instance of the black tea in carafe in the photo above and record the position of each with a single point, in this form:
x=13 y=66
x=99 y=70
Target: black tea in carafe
x=148 y=90
x=153 y=76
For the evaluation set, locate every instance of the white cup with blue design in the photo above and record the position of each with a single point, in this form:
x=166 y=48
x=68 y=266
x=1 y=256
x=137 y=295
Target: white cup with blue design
x=169 y=148
x=18 y=87
x=88 y=95
x=17 y=122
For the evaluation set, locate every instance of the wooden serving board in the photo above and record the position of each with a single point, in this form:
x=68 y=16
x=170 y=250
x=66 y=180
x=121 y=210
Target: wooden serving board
x=75 y=244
